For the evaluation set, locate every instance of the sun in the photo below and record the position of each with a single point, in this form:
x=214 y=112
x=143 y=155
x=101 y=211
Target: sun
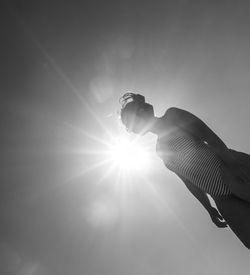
x=128 y=155
x=121 y=168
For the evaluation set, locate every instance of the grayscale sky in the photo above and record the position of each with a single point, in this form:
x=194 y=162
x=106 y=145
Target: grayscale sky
x=64 y=65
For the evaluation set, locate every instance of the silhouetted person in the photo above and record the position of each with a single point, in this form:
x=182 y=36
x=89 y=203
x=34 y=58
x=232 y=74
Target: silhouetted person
x=190 y=149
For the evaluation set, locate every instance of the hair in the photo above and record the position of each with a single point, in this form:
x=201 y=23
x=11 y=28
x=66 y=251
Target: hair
x=139 y=99
x=132 y=103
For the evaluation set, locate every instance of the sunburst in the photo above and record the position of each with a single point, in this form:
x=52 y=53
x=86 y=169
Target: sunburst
x=128 y=155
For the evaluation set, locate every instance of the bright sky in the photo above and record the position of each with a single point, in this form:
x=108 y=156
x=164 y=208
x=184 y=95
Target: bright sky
x=67 y=207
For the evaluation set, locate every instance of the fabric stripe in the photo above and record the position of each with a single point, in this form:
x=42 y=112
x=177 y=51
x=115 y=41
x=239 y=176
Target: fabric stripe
x=195 y=161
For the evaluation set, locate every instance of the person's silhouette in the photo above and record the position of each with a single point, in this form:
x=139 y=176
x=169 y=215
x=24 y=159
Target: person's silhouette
x=189 y=148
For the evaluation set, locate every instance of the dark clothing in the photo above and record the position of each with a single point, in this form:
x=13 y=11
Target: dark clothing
x=236 y=212
x=193 y=160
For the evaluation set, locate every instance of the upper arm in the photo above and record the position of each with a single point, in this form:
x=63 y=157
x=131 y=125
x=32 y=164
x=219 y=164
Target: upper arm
x=192 y=124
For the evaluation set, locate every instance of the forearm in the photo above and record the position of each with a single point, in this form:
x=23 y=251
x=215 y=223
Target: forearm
x=204 y=200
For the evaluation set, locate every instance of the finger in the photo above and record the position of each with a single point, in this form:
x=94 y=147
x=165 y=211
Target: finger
x=219 y=223
x=220 y=217
x=222 y=224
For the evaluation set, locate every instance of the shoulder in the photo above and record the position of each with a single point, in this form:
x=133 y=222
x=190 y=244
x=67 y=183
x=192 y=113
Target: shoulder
x=173 y=110
x=174 y=113
x=182 y=118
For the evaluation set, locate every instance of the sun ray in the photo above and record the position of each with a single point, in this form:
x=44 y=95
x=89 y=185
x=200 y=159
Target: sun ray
x=89 y=169
x=107 y=173
x=84 y=132
x=32 y=37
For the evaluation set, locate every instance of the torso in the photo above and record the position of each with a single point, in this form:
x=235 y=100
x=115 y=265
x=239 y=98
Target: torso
x=191 y=158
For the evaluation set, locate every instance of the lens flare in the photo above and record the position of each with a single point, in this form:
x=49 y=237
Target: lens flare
x=128 y=155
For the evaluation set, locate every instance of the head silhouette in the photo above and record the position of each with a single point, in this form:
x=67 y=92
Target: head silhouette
x=136 y=114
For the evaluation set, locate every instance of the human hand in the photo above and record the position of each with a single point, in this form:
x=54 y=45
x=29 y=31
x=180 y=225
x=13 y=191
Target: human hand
x=217 y=218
